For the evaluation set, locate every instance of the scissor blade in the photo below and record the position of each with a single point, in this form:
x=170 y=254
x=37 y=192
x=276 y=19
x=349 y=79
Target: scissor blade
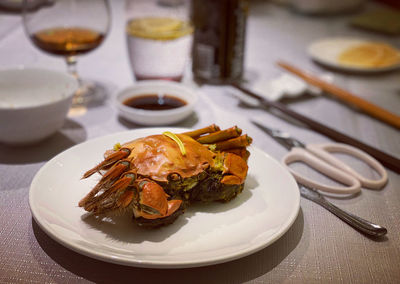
x=275 y=133
x=269 y=131
x=282 y=137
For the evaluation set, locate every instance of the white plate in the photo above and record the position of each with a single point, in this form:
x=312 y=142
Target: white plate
x=326 y=51
x=206 y=234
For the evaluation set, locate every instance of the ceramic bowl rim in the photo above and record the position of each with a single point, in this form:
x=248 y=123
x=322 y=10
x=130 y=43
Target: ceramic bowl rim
x=158 y=113
x=59 y=99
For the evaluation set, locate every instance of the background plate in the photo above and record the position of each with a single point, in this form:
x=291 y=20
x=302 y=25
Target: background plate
x=206 y=234
x=326 y=51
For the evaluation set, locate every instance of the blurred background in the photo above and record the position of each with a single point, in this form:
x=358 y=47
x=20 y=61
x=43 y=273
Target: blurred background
x=271 y=25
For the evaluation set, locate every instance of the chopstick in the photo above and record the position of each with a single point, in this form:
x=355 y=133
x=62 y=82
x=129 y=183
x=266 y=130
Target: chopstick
x=388 y=161
x=345 y=96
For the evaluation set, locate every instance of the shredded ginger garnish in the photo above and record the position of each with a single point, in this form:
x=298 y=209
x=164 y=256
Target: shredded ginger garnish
x=212 y=147
x=117 y=146
x=176 y=140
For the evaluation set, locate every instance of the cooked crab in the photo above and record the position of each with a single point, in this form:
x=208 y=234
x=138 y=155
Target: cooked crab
x=157 y=176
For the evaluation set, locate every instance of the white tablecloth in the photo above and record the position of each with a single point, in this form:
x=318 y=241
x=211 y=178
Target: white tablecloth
x=318 y=248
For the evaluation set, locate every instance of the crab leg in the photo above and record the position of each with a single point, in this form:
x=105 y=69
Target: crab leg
x=111 y=159
x=196 y=133
x=153 y=201
x=241 y=152
x=220 y=135
x=117 y=187
x=125 y=199
x=112 y=206
x=108 y=177
x=173 y=205
x=241 y=141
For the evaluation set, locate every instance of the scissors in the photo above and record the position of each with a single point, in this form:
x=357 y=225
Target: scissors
x=319 y=157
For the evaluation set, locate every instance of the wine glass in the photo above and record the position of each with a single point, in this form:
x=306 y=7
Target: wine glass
x=68 y=28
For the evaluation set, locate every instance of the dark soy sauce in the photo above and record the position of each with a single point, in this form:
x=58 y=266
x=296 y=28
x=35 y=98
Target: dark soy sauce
x=154 y=102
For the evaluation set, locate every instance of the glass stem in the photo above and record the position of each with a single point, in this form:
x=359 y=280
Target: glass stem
x=71 y=65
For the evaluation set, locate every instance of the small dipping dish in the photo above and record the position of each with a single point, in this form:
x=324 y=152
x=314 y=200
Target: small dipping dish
x=34 y=103
x=156 y=102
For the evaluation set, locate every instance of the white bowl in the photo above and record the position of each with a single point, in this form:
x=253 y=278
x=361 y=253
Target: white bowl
x=33 y=103
x=157 y=117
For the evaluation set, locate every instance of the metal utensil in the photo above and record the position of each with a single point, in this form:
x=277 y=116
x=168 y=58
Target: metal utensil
x=387 y=160
x=356 y=222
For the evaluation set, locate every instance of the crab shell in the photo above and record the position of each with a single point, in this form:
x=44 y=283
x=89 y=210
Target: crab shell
x=158 y=156
x=143 y=170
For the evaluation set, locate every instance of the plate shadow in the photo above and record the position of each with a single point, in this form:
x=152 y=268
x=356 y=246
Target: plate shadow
x=237 y=271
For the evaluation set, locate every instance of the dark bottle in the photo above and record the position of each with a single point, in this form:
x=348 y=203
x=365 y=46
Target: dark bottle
x=219 y=37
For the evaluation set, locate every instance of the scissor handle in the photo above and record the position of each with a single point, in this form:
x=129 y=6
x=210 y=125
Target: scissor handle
x=302 y=155
x=324 y=151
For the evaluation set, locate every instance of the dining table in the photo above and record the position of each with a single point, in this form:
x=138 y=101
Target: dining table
x=317 y=248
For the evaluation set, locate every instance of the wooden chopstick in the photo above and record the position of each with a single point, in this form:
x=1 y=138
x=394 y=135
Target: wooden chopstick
x=345 y=96
x=387 y=160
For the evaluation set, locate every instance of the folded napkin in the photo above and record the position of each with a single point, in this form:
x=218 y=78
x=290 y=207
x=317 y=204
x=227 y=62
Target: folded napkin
x=286 y=85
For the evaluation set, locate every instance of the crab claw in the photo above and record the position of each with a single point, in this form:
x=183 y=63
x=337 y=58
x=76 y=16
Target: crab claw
x=153 y=203
x=235 y=169
x=173 y=205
